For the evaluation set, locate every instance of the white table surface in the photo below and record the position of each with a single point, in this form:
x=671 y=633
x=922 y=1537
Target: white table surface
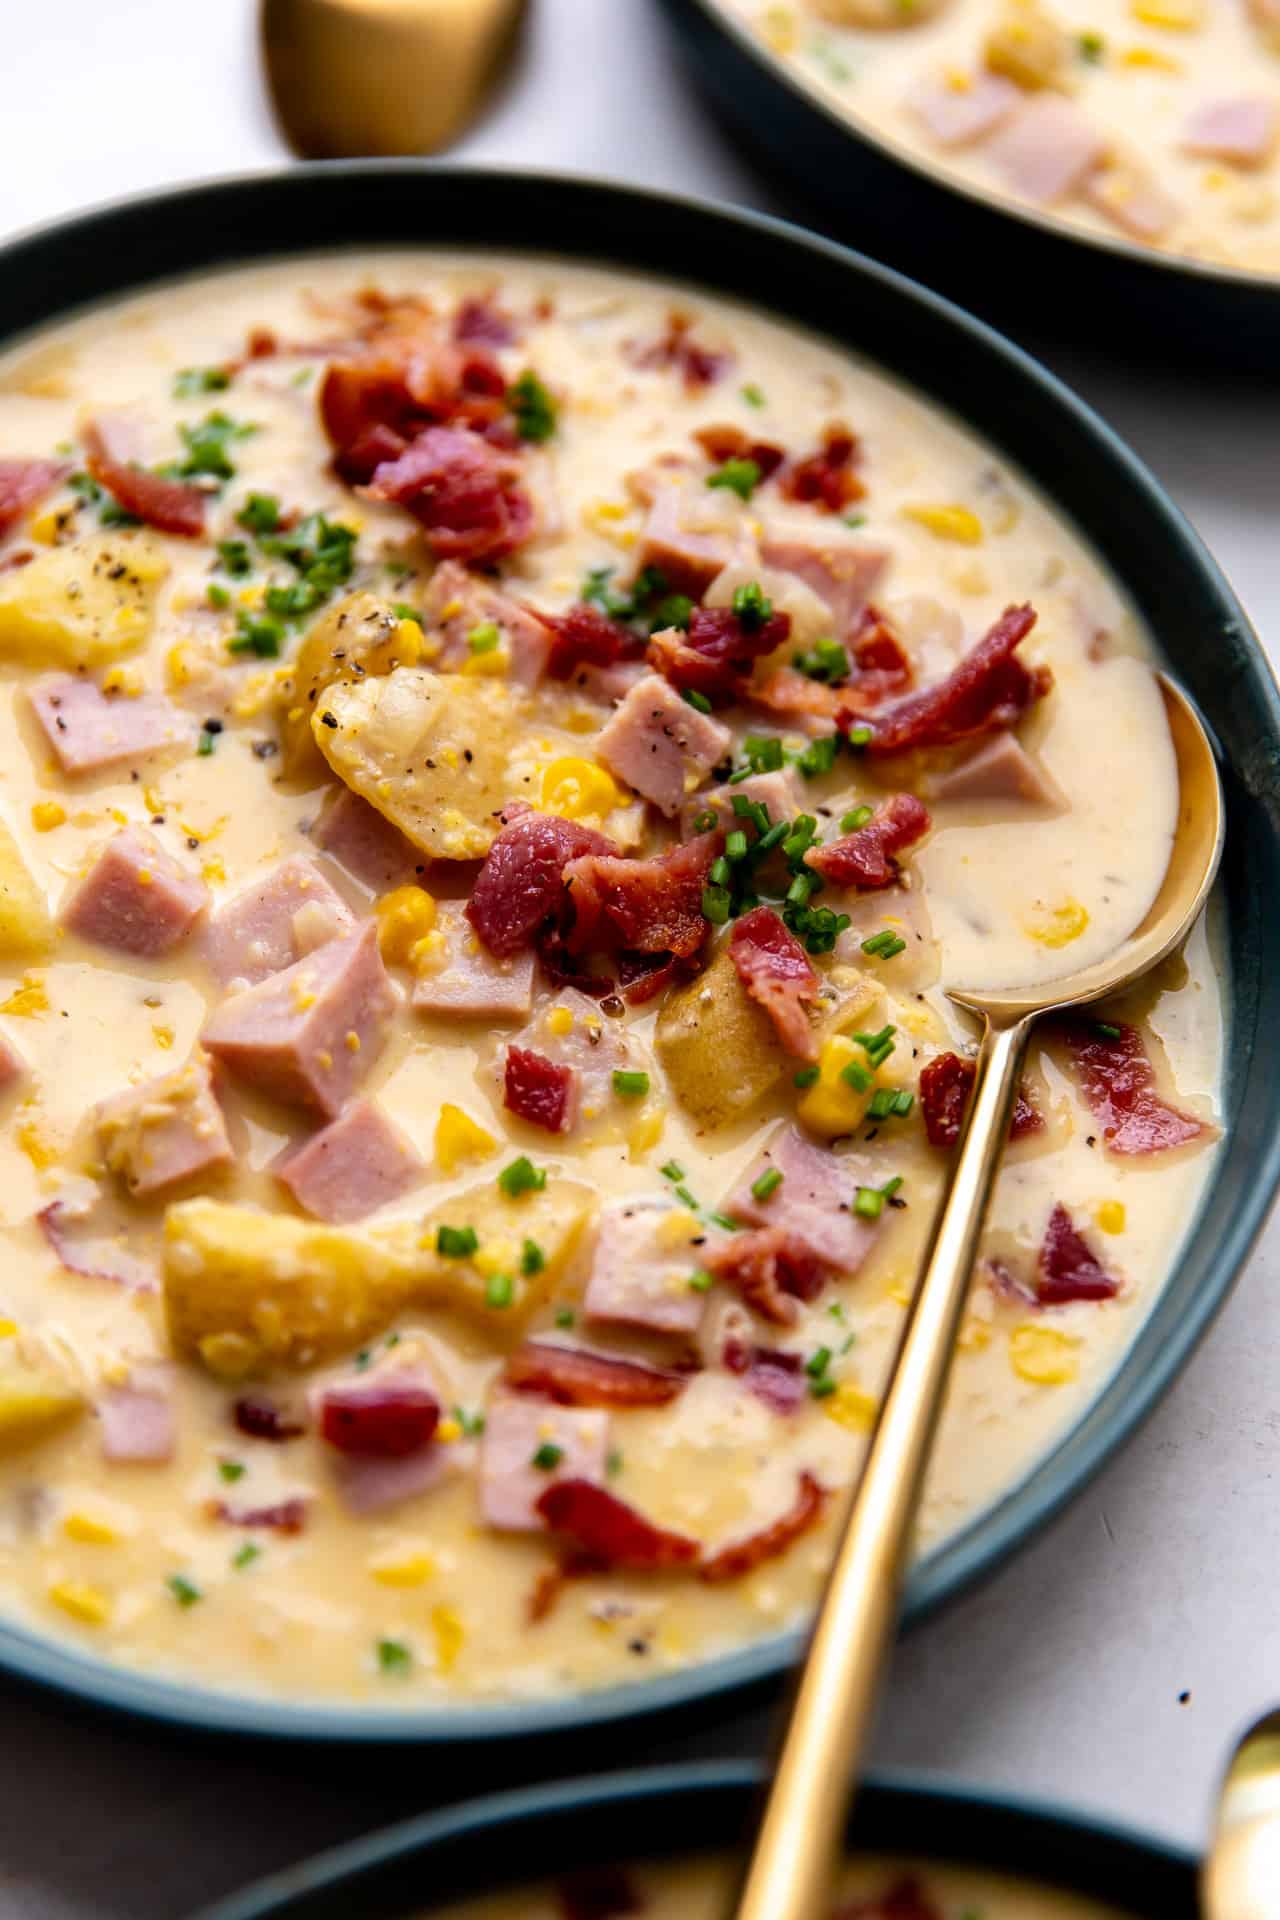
x=1110 y=1664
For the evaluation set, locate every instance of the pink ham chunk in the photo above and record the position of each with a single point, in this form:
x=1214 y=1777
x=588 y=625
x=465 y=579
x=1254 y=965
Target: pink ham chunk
x=779 y=793
x=457 y=602
x=275 y=922
x=688 y=557
x=164 y=1131
x=138 y=1424
x=13 y=1067
x=1132 y=199
x=660 y=745
x=960 y=115
x=370 y=1485
x=364 y=843
x=134 y=898
x=308 y=1035
x=1001 y=769
x=813 y=1205
x=516 y=1427
x=1045 y=151
x=1241 y=130
x=636 y=1281
x=842 y=573
x=361 y=1161
x=461 y=979
x=89 y=730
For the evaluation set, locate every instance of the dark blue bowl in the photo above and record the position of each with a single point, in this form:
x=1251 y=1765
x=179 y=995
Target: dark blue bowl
x=518 y=1838
x=1014 y=264
x=1076 y=461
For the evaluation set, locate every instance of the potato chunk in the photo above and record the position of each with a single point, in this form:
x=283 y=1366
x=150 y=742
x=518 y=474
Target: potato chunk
x=35 y=1398
x=26 y=929
x=431 y=751
x=492 y=1281
x=1027 y=46
x=360 y=633
x=84 y=604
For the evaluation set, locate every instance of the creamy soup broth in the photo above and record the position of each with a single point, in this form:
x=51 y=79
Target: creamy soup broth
x=242 y=1413
x=1153 y=122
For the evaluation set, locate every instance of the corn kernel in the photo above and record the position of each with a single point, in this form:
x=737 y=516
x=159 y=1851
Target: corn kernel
x=459 y=1138
x=214 y=870
x=89 y=1531
x=163 y=1037
x=851 y=1408
x=1176 y=16
x=450 y=1637
x=1043 y=1355
x=408 y=642
x=46 y=815
x=1059 y=926
x=948 y=523
x=973 y=1336
x=560 y=1021
x=1148 y=58
x=578 y=789
x=778 y=29
x=448 y=1431
x=402 y=1569
x=89 y=1605
x=677 y=1229
x=1110 y=1216
x=44 y=528
x=181 y=664
x=8 y=1329
x=647 y=1131
x=28 y=1000
x=831 y=1105
x=126 y=680
x=491 y=666
x=38 y=1147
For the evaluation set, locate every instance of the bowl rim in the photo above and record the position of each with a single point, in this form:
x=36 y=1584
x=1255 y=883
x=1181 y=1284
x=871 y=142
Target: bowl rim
x=923 y=1794
x=809 y=94
x=989 y=1537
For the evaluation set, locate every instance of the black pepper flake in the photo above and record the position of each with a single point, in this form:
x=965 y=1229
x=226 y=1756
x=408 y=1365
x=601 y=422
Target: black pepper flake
x=1092 y=1140
x=192 y=842
x=212 y=726
x=329 y=720
x=157 y=819
x=467 y=755
x=265 y=749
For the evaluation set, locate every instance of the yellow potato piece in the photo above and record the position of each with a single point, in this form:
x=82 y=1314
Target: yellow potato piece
x=431 y=751
x=84 y=604
x=1028 y=46
x=361 y=632
x=35 y=1399
x=26 y=929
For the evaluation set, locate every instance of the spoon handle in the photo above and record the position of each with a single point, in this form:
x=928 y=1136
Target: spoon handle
x=791 y=1872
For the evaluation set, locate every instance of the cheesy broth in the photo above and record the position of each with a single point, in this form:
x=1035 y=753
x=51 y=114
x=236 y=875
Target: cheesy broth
x=292 y=1438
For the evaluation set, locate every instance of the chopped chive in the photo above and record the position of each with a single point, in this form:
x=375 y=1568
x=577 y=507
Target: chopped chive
x=735 y=846
x=868 y=1203
x=819 y=756
x=246 y=1556
x=1105 y=1031
x=686 y=1198
x=522 y=1177
x=800 y=889
x=394 y=1656
x=259 y=514
x=231 y=1471
x=403 y=611
x=456 y=1243
x=629 y=1083
x=855 y=519
x=532 y=407
x=672 y=1171
x=752 y=605
x=822 y=1389
x=700 y=1281
x=499 y=1290
x=260 y=635
x=548 y=1457
x=565 y=1316
x=673 y=610
x=806 y=1077
x=884 y=945
x=858 y=736
x=768 y=841
x=752 y=394
x=903 y=1102
x=485 y=638
x=753 y=810
x=826 y=660
x=764 y=753
x=193 y=380
x=890 y=1187
x=235 y=558
x=766 y=1183
x=858 y=818
x=882 y=1103
x=818 y=1363
x=184 y=1591
x=725 y=1220
x=472 y=1424
x=739 y=476
x=1092 y=46
x=204 y=745
x=207 y=442
x=613 y=1464
x=856 y=1075
x=716 y=904
x=719 y=874
x=217 y=595
x=532 y=1258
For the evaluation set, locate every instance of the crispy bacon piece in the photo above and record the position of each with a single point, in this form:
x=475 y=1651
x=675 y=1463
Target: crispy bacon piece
x=770 y=1268
x=989 y=689
x=480 y=321
x=741 y=1557
x=1119 y=1085
x=774 y=1377
x=388 y=1417
x=945 y=1086
x=866 y=858
x=698 y=366
x=731 y=443
x=463 y=492
x=881 y=664
x=545 y=1593
x=715 y=656
x=400 y=383
x=575 y=1378
x=1066 y=1268
x=794 y=696
x=521 y=887
x=646 y=906
x=775 y=970
x=583 y=636
x=537 y=1089
x=262 y=1419
x=23 y=484
x=826 y=479
x=284 y=1516
x=904 y=1899
x=600 y=1893
x=169 y=505
x=609 y=1531
x=642 y=976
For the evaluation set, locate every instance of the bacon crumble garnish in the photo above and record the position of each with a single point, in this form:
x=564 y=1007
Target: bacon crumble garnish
x=945 y=1088
x=642 y=976
x=716 y=653
x=866 y=858
x=521 y=886
x=881 y=664
x=731 y=443
x=537 y=1089
x=479 y=321
x=905 y=1899
x=775 y=970
x=168 y=505
x=698 y=366
x=284 y=1516
x=774 y=1377
x=462 y=491
x=769 y=1268
x=24 y=484
x=388 y=1417
x=573 y=1377
x=645 y=906
x=741 y=1557
x=600 y=1893
x=1066 y=1268
x=1119 y=1085
x=399 y=385
x=610 y=1531
x=826 y=479
x=262 y=1419
x=583 y=636
x=989 y=689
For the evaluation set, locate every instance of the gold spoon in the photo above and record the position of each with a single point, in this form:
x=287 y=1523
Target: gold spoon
x=1241 y=1878
x=365 y=77
x=791 y=1870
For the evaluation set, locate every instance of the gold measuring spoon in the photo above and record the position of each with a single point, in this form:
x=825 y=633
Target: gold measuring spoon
x=1241 y=1877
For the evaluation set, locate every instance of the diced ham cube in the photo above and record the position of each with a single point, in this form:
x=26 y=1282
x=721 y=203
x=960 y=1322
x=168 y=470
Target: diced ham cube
x=1046 y=149
x=640 y=1271
x=364 y=843
x=660 y=745
x=89 y=730
x=1241 y=130
x=780 y=792
x=134 y=898
x=461 y=979
x=164 y=1131
x=1000 y=769
x=370 y=1485
x=138 y=1423
x=1128 y=195
x=275 y=922
x=457 y=602
x=12 y=1064
x=516 y=1429
x=308 y=1035
x=843 y=573
x=361 y=1161
x=689 y=536
x=813 y=1205
x=961 y=109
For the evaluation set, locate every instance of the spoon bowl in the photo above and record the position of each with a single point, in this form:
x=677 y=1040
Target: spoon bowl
x=789 y=1874
x=1241 y=1877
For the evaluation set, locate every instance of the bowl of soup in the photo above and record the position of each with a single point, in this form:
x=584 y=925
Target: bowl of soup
x=505 y=752
x=1107 y=171
x=662 y=1843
